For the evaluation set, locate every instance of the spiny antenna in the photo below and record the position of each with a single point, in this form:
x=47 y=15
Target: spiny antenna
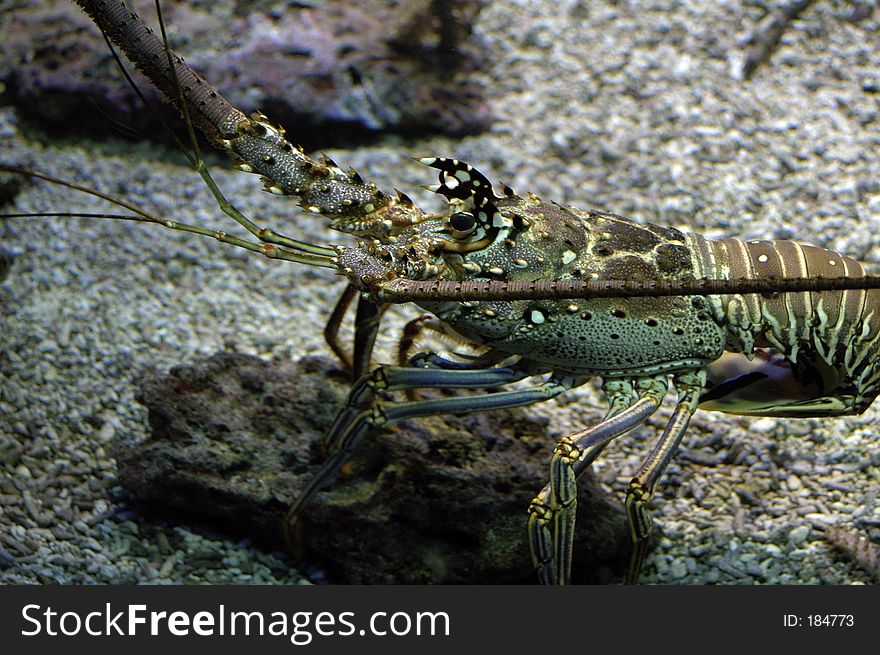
x=404 y=290
x=140 y=215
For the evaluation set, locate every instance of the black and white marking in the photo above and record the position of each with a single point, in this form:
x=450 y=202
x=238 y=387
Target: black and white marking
x=462 y=181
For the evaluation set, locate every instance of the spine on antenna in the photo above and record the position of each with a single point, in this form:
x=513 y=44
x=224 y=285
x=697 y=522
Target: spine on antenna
x=211 y=112
x=406 y=290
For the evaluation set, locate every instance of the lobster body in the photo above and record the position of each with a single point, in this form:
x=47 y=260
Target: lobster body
x=809 y=354
x=795 y=354
x=610 y=337
x=776 y=354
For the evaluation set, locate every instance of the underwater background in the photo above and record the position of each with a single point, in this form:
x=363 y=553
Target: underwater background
x=645 y=109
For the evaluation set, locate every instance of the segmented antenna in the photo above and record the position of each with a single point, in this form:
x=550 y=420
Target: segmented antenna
x=212 y=113
x=405 y=290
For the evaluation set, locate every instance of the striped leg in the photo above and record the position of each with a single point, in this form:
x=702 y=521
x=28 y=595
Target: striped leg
x=641 y=488
x=552 y=512
x=364 y=412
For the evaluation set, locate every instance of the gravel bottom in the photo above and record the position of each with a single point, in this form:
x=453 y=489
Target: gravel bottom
x=636 y=108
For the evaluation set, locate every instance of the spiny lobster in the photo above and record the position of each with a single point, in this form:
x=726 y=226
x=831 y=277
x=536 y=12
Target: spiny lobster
x=559 y=291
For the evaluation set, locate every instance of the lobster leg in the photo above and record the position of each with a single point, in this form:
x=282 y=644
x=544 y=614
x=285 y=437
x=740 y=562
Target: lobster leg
x=689 y=385
x=417 y=326
x=366 y=327
x=489 y=359
x=552 y=512
x=364 y=412
x=367 y=317
x=331 y=329
x=408 y=337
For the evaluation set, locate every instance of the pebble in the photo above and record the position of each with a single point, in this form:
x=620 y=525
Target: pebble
x=107 y=432
x=47 y=346
x=679 y=569
x=167 y=566
x=798 y=554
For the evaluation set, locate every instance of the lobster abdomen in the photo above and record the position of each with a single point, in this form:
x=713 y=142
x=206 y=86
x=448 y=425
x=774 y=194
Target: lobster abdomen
x=802 y=354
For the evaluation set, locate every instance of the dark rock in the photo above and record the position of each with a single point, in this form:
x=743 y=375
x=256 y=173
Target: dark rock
x=331 y=72
x=437 y=500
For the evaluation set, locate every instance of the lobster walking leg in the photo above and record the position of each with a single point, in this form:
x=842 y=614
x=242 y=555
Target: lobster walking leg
x=367 y=318
x=331 y=328
x=366 y=327
x=552 y=512
x=410 y=333
x=641 y=488
x=364 y=412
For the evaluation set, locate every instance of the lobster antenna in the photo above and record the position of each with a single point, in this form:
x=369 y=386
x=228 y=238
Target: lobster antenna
x=197 y=101
x=405 y=290
x=352 y=204
x=140 y=215
x=146 y=103
x=176 y=82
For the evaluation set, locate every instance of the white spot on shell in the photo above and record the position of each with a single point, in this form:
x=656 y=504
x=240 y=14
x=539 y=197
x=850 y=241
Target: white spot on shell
x=763 y=259
x=832 y=262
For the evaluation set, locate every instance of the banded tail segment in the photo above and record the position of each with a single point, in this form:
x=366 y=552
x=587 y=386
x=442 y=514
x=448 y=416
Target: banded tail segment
x=829 y=339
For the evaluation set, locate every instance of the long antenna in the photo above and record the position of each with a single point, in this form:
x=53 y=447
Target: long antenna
x=404 y=290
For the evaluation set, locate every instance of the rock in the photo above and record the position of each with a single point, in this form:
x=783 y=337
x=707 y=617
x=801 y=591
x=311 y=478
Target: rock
x=437 y=500
x=331 y=72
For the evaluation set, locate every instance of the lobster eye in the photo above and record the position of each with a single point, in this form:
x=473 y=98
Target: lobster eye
x=462 y=222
